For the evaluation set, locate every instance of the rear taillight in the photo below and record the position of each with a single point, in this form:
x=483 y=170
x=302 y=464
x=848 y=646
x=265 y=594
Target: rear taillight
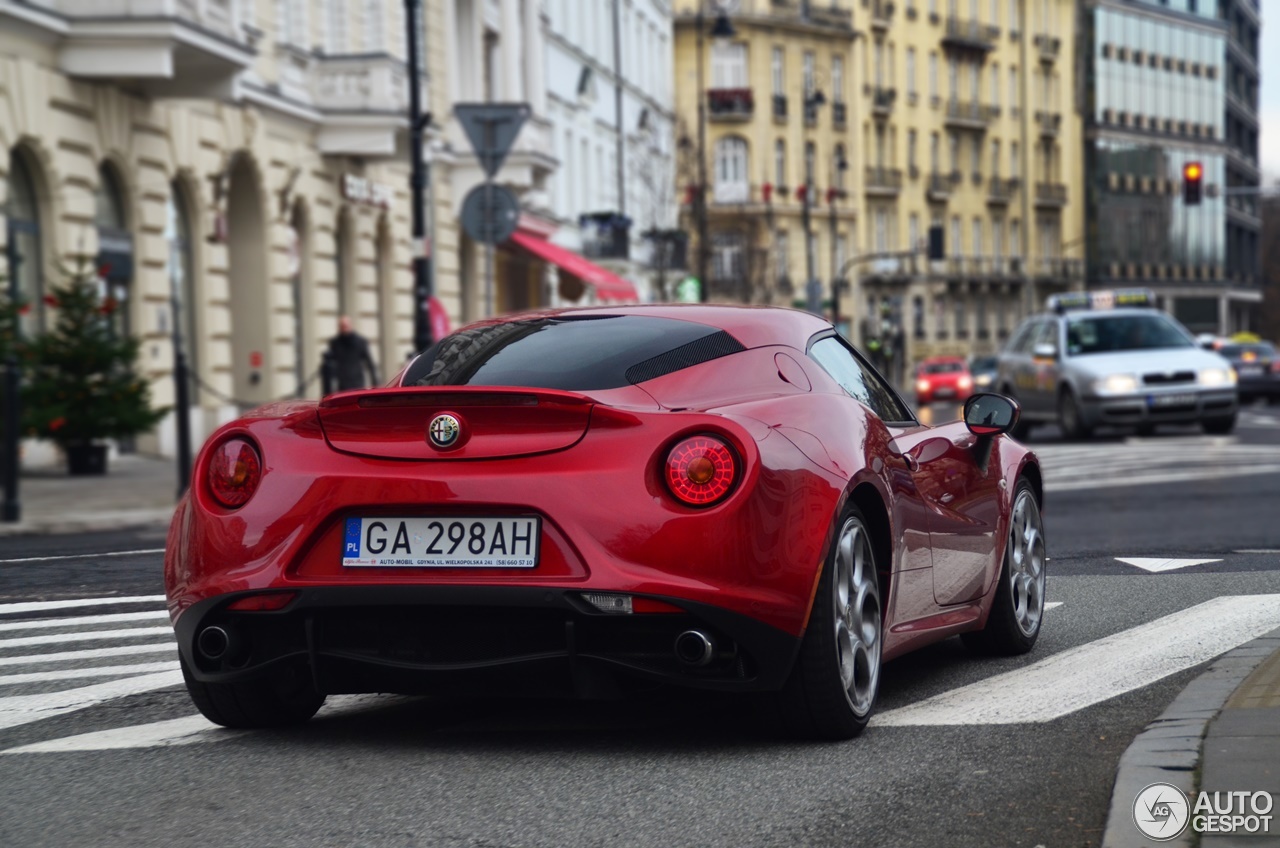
x=701 y=470
x=235 y=470
x=267 y=602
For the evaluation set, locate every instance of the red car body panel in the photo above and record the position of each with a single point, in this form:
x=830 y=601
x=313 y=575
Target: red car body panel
x=590 y=465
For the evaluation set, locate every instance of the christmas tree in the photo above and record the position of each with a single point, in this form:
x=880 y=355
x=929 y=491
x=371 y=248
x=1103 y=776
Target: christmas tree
x=82 y=384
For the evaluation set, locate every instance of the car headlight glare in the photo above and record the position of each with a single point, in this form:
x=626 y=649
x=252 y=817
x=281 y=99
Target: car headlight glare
x=1116 y=384
x=1217 y=377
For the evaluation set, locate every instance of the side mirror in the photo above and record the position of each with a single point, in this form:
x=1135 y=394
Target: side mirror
x=990 y=414
x=1044 y=351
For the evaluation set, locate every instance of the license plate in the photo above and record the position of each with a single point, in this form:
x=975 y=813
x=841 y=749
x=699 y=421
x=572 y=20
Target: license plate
x=1171 y=400
x=1250 y=371
x=455 y=542
x=943 y=392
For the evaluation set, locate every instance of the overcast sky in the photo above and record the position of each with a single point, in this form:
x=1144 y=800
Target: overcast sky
x=1269 y=91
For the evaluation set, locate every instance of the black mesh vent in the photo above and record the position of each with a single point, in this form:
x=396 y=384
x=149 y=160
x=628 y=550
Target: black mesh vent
x=695 y=352
x=1176 y=377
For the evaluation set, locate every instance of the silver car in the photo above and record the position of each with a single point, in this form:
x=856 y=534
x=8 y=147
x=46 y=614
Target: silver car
x=1082 y=368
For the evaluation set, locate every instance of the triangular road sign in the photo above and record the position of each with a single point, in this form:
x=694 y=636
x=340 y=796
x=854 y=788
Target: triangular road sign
x=492 y=129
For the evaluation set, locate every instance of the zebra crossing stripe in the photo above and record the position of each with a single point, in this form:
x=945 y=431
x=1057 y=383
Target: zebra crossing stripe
x=23 y=709
x=95 y=671
x=89 y=654
x=41 y=606
x=85 y=636
x=80 y=621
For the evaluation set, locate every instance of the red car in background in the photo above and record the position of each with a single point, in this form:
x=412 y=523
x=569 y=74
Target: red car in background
x=598 y=502
x=943 y=378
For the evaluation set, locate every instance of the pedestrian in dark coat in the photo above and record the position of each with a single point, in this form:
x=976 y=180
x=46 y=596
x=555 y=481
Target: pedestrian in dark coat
x=348 y=363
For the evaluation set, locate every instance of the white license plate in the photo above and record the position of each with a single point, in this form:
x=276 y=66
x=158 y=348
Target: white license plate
x=454 y=542
x=1171 y=400
x=1250 y=371
x=944 y=392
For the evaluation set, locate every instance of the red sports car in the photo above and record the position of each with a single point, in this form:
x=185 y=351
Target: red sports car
x=943 y=378
x=713 y=497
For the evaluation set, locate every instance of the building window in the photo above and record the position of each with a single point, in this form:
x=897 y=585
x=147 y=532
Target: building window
x=977 y=237
x=957 y=246
x=1015 y=19
x=779 y=74
x=732 y=183
x=727 y=250
x=913 y=231
x=782 y=255
x=375 y=26
x=995 y=84
x=1013 y=89
x=934 y=153
x=882 y=231
x=975 y=158
x=962 y=321
x=337 y=25
x=917 y=317
x=810 y=79
x=25 y=243
x=911 y=72
x=997 y=239
x=115 y=246
x=838 y=166
x=933 y=75
x=953 y=142
x=780 y=164
x=1015 y=238
x=953 y=78
x=995 y=158
x=810 y=153
x=911 y=150
x=728 y=65
x=1013 y=160
x=837 y=79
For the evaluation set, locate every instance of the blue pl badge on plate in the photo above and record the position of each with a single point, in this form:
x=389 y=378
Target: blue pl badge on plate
x=351 y=546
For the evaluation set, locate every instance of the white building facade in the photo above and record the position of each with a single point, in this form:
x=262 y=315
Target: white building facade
x=611 y=105
x=237 y=166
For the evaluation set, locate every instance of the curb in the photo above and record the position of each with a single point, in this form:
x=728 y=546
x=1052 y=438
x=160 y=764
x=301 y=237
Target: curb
x=97 y=522
x=1168 y=749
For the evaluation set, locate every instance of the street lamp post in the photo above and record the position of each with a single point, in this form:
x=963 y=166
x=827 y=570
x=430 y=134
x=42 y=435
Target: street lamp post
x=813 y=292
x=722 y=28
x=417 y=181
x=12 y=510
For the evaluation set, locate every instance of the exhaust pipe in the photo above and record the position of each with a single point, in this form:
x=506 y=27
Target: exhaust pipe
x=695 y=648
x=213 y=642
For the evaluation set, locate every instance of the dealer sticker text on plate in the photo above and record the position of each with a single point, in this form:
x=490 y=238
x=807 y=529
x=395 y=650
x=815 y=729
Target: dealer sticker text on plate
x=453 y=542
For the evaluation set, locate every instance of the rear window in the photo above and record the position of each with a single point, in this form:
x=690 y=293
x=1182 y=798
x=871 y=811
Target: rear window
x=1237 y=351
x=984 y=363
x=942 y=367
x=569 y=353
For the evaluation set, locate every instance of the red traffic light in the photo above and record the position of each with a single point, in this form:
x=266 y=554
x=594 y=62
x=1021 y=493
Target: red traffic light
x=1192 y=176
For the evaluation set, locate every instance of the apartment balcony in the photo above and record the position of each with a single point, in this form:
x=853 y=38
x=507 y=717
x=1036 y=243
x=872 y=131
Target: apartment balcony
x=969 y=115
x=1058 y=270
x=364 y=100
x=1051 y=195
x=882 y=100
x=730 y=104
x=1049 y=123
x=812 y=14
x=940 y=186
x=1000 y=191
x=881 y=15
x=165 y=48
x=1048 y=46
x=606 y=235
x=883 y=182
x=779 y=107
x=839 y=113
x=962 y=34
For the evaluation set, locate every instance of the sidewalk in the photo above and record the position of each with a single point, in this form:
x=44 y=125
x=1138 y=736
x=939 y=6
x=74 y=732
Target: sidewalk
x=136 y=491
x=1221 y=734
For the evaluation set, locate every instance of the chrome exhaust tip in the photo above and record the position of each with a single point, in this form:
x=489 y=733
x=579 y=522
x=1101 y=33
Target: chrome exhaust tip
x=213 y=642
x=695 y=648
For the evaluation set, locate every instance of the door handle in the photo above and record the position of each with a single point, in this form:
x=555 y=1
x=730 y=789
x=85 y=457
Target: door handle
x=910 y=461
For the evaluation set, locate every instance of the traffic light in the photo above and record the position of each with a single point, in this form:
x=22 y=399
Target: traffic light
x=1192 y=183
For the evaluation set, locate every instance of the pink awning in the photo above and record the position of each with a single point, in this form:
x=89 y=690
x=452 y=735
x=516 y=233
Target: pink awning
x=608 y=286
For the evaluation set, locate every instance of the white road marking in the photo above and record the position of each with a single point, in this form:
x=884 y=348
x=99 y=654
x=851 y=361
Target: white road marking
x=1151 y=461
x=95 y=671
x=85 y=636
x=40 y=606
x=191 y=730
x=81 y=620
x=90 y=654
x=1158 y=564
x=1258 y=551
x=1098 y=671
x=23 y=709
x=1051 y=604
x=84 y=556
x=1097 y=482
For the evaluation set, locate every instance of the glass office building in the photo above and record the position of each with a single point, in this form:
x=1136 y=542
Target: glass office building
x=1166 y=84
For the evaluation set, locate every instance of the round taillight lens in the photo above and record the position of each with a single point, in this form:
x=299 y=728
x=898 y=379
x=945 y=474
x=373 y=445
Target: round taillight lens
x=235 y=470
x=701 y=470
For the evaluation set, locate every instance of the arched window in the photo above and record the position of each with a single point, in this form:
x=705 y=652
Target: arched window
x=25 y=250
x=732 y=183
x=115 y=245
x=177 y=233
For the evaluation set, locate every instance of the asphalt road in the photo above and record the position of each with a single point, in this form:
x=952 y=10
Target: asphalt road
x=388 y=771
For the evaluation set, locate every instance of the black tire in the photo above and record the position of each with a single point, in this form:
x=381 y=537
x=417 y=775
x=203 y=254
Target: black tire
x=1219 y=426
x=285 y=698
x=816 y=702
x=1069 y=417
x=1009 y=632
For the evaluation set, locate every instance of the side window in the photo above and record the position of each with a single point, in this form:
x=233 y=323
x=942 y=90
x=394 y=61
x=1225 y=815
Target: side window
x=1048 y=334
x=858 y=379
x=1021 y=341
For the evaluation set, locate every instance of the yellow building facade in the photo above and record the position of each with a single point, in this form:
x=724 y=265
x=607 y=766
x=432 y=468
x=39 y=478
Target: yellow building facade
x=951 y=114
x=778 y=101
